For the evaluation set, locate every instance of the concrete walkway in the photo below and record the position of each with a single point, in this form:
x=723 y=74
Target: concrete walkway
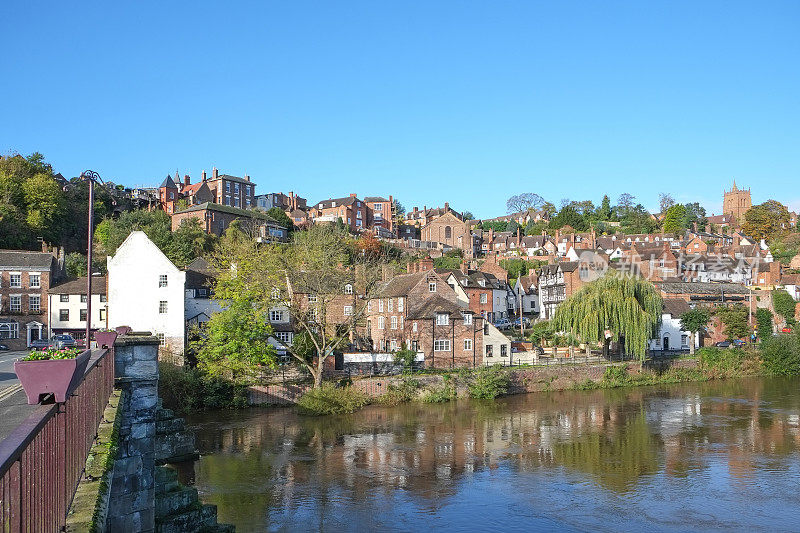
x=14 y=408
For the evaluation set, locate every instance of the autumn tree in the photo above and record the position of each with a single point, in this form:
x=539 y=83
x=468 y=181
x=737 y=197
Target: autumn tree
x=734 y=319
x=767 y=220
x=665 y=201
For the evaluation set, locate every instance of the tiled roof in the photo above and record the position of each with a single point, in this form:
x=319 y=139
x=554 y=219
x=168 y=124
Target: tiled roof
x=401 y=285
x=233 y=178
x=685 y=287
x=78 y=286
x=168 y=183
x=326 y=204
x=23 y=259
x=375 y=199
x=675 y=306
x=210 y=206
x=435 y=304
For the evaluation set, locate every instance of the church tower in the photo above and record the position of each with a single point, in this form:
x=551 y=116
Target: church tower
x=736 y=202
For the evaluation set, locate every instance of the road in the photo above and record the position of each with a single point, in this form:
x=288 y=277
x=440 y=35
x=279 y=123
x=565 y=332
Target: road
x=14 y=406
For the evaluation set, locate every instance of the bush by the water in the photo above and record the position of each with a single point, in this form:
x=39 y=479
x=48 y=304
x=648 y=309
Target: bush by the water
x=443 y=393
x=488 y=383
x=405 y=391
x=721 y=362
x=616 y=375
x=781 y=355
x=185 y=390
x=331 y=400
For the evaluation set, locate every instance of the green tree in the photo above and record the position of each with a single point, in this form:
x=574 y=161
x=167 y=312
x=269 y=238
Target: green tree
x=766 y=221
x=467 y=215
x=674 y=219
x=512 y=226
x=764 y=321
x=784 y=305
x=630 y=307
x=568 y=216
x=235 y=344
x=188 y=242
x=535 y=228
x=781 y=355
x=695 y=213
x=604 y=211
x=695 y=320
x=734 y=318
x=277 y=214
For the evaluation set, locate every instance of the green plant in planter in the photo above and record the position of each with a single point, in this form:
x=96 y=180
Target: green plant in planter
x=53 y=353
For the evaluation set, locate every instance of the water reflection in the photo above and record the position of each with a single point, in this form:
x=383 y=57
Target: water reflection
x=691 y=456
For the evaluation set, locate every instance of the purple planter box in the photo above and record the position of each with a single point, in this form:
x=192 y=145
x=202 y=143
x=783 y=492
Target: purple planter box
x=51 y=376
x=105 y=339
x=123 y=330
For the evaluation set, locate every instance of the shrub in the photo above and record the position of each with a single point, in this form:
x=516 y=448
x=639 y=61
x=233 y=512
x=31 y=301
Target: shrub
x=404 y=392
x=190 y=389
x=331 y=400
x=488 y=383
x=781 y=355
x=444 y=393
x=616 y=375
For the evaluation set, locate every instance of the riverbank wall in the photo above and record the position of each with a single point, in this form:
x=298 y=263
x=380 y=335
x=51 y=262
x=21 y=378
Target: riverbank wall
x=522 y=380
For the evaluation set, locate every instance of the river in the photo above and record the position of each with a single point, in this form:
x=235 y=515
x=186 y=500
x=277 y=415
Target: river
x=686 y=457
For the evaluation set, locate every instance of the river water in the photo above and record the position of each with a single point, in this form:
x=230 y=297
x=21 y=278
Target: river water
x=686 y=457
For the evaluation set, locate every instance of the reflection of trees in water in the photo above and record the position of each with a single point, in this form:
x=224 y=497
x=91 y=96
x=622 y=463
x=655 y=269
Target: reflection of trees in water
x=274 y=461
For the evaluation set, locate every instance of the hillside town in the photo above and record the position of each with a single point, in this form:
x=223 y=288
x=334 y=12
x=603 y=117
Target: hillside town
x=458 y=291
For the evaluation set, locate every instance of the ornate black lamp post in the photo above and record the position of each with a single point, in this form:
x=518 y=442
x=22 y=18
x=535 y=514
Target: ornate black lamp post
x=90 y=177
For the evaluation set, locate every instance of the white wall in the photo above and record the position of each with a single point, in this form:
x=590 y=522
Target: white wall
x=134 y=294
x=55 y=305
x=495 y=338
x=671 y=327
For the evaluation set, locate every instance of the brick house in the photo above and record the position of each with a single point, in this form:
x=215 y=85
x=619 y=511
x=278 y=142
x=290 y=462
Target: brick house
x=448 y=229
x=382 y=212
x=284 y=202
x=423 y=312
x=230 y=190
x=354 y=213
x=767 y=275
x=216 y=218
x=25 y=279
x=420 y=217
x=483 y=293
x=168 y=195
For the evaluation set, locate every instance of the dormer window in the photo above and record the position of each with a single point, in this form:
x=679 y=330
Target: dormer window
x=432 y=286
x=442 y=319
x=348 y=289
x=467 y=319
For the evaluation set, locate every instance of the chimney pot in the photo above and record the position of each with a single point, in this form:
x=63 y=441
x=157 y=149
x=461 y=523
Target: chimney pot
x=204 y=175
x=215 y=173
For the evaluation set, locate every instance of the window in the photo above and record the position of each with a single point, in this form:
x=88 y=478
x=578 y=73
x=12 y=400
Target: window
x=103 y=298
x=467 y=319
x=448 y=232
x=442 y=319
x=15 y=280
x=162 y=339
x=63 y=315
x=484 y=298
x=276 y=315
x=63 y=298
x=162 y=280
x=348 y=289
x=503 y=350
x=381 y=322
x=390 y=305
x=276 y=294
x=83 y=315
x=392 y=345
x=348 y=310
x=369 y=306
x=83 y=298
x=35 y=281
x=432 y=287
x=102 y=314
x=441 y=345
x=400 y=304
x=227 y=186
x=414 y=327
x=162 y=307
x=15 y=303
x=34 y=303
x=468 y=344
x=284 y=337
x=312 y=299
x=9 y=330
x=394 y=322
x=489 y=349
x=380 y=305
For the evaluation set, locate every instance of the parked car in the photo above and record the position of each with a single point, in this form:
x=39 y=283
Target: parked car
x=539 y=350
x=525 y=320
x=3 y=347
x=56 y=341
x=723 y=344
x=502 y=323
x=739 y=343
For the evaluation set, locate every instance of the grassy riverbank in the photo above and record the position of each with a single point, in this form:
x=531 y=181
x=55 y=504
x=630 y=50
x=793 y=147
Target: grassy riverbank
x=188 y=390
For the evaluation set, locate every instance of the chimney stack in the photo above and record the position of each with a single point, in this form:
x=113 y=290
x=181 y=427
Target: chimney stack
x=186 y=180
x=446 y=207
x=214 y=173
x=352 y=195
x=246 y=177
x=204 y=175
x=426 y=264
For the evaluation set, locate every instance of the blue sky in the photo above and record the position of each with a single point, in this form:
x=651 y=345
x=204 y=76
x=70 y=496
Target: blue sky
x=466 y=102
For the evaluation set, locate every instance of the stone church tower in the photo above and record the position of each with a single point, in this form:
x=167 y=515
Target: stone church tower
x=736 y=202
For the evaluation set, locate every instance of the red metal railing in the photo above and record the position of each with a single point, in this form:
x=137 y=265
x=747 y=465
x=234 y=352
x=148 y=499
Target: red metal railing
x=42 y=460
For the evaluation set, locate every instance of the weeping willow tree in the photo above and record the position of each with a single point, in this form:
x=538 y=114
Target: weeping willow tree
x=627 y=306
